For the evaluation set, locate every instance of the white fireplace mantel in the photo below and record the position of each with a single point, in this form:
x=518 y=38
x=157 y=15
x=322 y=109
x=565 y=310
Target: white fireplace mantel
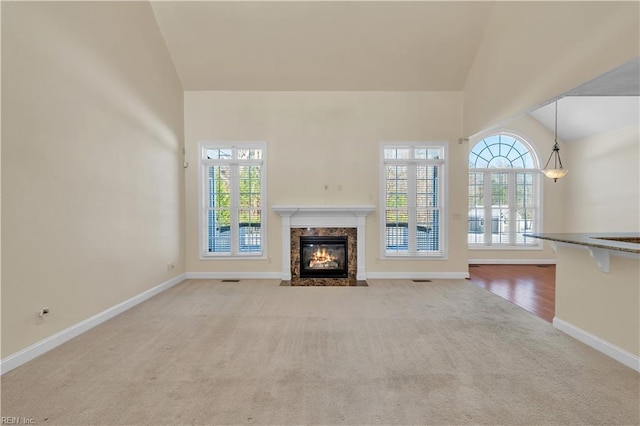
x=323 y=217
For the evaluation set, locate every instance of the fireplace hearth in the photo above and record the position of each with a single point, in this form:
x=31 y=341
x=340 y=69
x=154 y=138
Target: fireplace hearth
x=324 y=257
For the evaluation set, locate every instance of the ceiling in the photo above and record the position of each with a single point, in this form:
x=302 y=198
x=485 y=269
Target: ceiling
x=610 y=101
x=583 y=116
x=346 y=45
x=364 y=45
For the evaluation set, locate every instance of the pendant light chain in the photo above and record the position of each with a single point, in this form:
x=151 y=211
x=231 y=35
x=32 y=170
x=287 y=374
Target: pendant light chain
x=556 y=172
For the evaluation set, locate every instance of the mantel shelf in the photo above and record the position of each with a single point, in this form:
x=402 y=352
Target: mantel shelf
x=358 y=210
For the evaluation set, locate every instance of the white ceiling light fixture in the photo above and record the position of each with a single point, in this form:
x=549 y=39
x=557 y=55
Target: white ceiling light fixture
x=557 y=171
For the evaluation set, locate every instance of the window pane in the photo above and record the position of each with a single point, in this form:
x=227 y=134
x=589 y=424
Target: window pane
x=397 y=153
x=476 y=208
x=500 y=225
x=435 y=153
x=499 y=189
x=250 y=181
x=218 y=153
x=478 y=161
x=396 y=186
x=249 y=154
x=500 y=208
x=525 y=224
x=427 y=186
x=420 y=153
x=218 y=231
x=219 y=186
x=499 y=163
x=428 y=231
x=428 y=153
x=524 y=189
x=249 y=231
x=397 y=237
x=525 y=208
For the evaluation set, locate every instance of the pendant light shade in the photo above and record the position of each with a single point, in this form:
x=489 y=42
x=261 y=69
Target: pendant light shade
x=557 y=171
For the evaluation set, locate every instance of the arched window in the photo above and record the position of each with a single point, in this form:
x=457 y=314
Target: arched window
x=504 y=193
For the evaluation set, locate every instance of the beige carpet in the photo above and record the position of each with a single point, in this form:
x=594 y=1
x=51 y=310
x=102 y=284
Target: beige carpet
x=253 y=352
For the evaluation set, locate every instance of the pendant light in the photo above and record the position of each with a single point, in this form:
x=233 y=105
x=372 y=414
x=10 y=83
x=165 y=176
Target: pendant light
x=557 y=171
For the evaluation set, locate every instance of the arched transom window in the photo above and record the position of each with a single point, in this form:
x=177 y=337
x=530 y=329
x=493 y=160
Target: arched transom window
x=501 y=152
x=504 y=193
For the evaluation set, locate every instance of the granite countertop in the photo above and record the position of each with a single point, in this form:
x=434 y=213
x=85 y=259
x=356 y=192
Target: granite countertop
x=603 y=240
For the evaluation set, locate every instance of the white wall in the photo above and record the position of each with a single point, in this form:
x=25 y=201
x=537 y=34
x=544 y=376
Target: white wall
x=92 y=186
x=327 y=138
x=603 y=185
x=534 y=51
x=553 y=193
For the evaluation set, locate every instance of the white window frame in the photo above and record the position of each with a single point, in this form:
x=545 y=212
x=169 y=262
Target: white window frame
x=488 y=244
x=443 y=234
x=234 y=162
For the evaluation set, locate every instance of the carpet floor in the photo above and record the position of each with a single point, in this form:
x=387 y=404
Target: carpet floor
x=254 y=352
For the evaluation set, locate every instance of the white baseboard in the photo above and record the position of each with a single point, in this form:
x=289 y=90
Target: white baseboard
x=45 y=345
x=372 y=275
x=512 y=262
x=234 y=275
x=619 y=354
x=417 y=275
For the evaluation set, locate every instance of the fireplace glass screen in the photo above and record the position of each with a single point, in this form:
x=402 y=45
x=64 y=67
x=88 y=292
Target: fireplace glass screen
x=323 y=257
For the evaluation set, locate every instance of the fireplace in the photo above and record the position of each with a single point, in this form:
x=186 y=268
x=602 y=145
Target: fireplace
x=298 y=221
x=324 y=257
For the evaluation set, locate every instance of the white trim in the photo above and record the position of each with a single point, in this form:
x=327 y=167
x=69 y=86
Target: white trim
x=233 y=275
x=497 y=247
x=613 y=351
x=538 y=184
x=443 y=192
x=202 y=198
x=512 y=261
x=27 y=354
x=417 y=275
x=323 y=217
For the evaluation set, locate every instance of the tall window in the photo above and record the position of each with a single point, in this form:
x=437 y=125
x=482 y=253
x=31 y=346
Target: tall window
x=413 y=182
x=504 y=194
x=233 y=195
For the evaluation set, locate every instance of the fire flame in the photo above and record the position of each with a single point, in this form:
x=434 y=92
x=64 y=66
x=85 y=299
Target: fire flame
x=322 y=258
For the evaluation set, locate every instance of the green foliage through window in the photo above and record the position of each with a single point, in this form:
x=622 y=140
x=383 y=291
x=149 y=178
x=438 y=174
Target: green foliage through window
x=234 y=197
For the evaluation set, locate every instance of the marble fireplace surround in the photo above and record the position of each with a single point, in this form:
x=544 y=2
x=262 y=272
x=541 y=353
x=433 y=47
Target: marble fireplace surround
x=323 y=217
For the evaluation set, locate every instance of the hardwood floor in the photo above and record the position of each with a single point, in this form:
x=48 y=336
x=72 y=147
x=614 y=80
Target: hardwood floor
x=531 y=287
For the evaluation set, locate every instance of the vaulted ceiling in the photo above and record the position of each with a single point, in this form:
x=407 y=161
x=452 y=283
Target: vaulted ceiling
x=348 y=45
x=362 y=45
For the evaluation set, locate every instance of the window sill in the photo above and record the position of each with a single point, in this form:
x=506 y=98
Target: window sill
x=411 y=257
x=222 y=257
x=504 y=248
